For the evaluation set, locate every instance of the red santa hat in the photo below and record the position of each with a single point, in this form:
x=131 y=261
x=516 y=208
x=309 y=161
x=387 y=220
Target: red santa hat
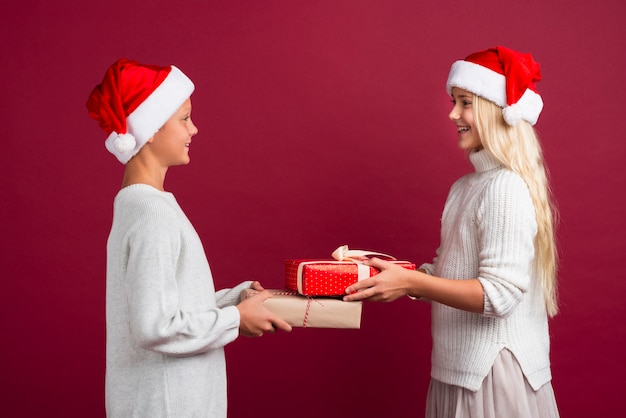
x=503 y=76
x=134 y=101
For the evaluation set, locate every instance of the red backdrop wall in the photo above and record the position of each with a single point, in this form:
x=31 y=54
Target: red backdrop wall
x=321 y=123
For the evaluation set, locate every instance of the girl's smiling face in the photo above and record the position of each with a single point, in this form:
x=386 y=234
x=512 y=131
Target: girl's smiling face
x=462 y=115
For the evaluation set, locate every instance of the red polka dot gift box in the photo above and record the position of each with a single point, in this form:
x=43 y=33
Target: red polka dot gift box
x=331 y=277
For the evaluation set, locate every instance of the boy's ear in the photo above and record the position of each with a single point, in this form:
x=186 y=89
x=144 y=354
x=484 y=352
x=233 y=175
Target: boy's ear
x=151 y=139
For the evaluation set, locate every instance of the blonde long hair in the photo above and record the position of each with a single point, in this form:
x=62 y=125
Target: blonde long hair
x=519 y=150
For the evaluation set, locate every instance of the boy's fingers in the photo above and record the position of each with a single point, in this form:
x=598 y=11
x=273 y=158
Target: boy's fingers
x=263 y=295
x=281 y=325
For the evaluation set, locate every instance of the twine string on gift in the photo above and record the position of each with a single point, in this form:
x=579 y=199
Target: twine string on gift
x=308 y=303
x=309 y=299
x=308 y=308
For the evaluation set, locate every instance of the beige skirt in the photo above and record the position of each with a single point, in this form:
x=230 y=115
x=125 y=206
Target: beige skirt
x=504 y=393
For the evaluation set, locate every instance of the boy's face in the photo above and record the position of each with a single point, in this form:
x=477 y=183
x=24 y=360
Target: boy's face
x=170 y=144
x=462 y=115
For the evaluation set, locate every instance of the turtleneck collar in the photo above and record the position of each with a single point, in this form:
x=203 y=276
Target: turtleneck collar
x=483 y=161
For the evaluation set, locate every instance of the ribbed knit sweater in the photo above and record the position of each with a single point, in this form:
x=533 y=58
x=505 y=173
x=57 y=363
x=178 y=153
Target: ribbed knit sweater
x=166 y=325
x=487 y=232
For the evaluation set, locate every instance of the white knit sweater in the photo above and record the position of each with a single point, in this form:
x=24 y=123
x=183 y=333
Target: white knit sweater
x=487 y=232
x=166 y=326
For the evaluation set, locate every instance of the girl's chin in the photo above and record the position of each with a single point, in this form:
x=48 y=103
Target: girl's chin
x=465 y=145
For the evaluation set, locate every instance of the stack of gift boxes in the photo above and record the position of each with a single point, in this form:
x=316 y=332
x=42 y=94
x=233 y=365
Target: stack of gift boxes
x=314 y=289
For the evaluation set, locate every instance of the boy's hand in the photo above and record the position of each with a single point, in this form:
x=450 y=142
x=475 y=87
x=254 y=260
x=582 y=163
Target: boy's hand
x=256 y=319
x=256 y=285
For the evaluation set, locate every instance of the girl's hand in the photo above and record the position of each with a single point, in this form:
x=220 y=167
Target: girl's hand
x=390 y=284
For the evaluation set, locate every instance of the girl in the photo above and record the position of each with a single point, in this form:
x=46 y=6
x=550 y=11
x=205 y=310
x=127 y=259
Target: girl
x=166 y=325
x=492 y=284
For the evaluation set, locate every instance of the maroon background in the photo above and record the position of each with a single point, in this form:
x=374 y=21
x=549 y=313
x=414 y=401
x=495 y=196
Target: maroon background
x=321 y=123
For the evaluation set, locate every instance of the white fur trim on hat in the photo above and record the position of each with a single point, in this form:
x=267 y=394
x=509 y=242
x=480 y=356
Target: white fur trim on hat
x=479 y=80
x=492 y=86
x=151 y=115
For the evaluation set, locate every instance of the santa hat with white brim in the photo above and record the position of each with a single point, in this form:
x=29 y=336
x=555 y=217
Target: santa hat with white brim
x=504 y=77
x=134 y=101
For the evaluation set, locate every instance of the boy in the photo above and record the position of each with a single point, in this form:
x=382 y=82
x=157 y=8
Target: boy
x=166 y=325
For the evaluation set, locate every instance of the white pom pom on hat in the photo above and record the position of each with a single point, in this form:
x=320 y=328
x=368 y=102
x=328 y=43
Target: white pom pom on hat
x=124 y=143
x=133 y=101
x=503 y=76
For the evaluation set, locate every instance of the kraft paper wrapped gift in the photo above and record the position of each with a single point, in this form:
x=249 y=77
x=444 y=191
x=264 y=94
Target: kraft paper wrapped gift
x=309 y=312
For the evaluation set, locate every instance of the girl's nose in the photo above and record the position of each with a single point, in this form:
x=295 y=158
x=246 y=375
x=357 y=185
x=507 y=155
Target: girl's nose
x=454 y=114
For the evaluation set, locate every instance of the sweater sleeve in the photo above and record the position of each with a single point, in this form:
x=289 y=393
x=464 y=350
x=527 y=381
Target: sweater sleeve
x=229 y=297
x=507 y=228
x=161 y=319
x=429 y=268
